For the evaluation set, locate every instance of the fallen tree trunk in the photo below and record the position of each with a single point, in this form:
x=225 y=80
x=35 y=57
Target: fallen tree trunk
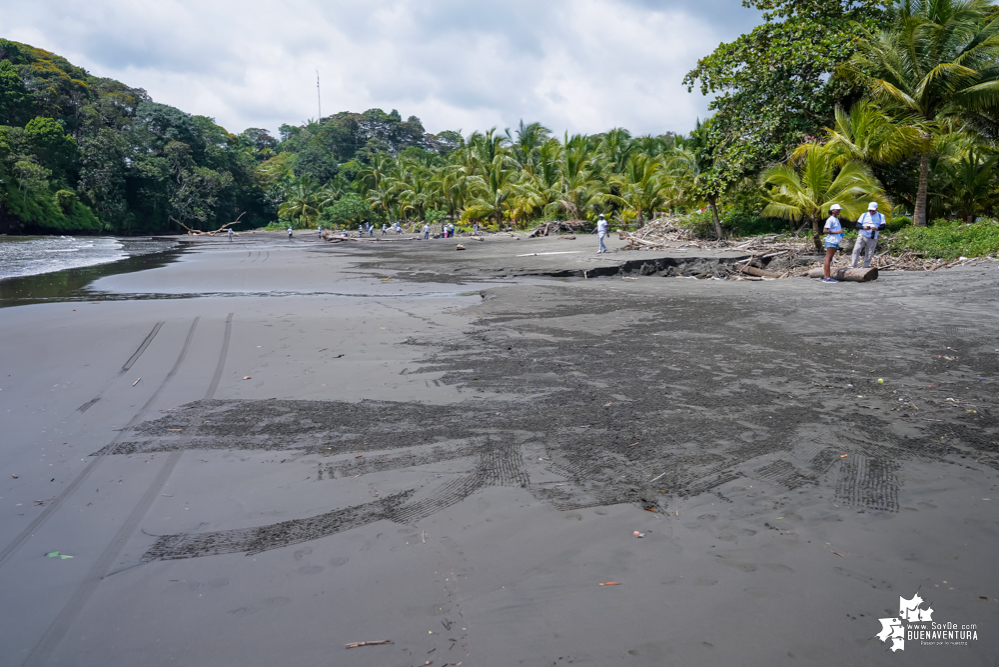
x=753 y=271
x=844 y=273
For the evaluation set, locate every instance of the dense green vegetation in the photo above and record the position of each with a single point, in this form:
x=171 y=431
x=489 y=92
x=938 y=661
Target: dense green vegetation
x=829 y=101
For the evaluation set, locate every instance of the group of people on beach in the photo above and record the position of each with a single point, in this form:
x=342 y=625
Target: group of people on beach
x=869 y=224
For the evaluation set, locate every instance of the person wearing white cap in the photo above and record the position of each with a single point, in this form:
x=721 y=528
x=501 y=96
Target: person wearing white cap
x=834 y=235
x=870 y=224
x=601 y=233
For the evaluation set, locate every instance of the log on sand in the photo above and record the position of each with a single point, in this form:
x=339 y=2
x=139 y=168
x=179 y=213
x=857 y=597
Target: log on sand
x=753 y=271
x=845 y=273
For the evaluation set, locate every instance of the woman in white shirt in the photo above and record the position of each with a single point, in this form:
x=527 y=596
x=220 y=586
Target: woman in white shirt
x=834 y=236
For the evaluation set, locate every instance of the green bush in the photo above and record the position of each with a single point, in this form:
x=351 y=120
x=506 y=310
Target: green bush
x=948 y=239
x=898 y=223
x=747 y=224
x=702 y=224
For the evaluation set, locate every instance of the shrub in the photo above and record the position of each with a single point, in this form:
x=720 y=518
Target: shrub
x=946 y=239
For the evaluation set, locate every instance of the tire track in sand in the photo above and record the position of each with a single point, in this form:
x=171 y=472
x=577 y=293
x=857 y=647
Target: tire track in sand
x=99 y=458
x=60 y=626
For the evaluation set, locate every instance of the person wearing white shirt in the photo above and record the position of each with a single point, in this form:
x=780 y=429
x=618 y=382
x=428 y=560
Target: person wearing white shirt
x=833 y=230
x=867 y=238
x=601 y=233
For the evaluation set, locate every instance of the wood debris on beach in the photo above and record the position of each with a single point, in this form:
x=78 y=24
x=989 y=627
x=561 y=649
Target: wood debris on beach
x=555 y=227
x=775 y=255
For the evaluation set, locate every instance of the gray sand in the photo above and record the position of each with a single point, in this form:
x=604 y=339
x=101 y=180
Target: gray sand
x=451 y=450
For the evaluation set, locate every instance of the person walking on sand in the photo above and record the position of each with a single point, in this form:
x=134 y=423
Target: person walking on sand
x=289 y=233
x=230 y=235
x=371 y=230
x=426 y=231
x=384 y=226
x=834 y=235
x=870 y=224
x=601 y=233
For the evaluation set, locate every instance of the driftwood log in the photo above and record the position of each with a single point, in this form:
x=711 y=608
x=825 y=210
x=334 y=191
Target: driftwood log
x=845 y=273
x=753 y=271
x=198 y=232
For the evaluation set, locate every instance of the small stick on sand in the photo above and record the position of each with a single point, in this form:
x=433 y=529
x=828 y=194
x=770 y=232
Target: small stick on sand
x=136 y=382
x=377 y=642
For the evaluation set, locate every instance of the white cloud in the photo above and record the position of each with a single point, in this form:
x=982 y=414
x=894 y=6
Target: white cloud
x=576 y=65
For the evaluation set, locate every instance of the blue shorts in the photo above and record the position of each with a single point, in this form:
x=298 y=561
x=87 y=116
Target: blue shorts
x=832 y=245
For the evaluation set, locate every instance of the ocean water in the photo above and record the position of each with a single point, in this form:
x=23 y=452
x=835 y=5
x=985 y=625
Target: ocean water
x=34 y=255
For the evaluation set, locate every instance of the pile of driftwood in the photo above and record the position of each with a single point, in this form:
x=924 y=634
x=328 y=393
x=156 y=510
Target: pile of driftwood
x=555 y=227
x=779 y=255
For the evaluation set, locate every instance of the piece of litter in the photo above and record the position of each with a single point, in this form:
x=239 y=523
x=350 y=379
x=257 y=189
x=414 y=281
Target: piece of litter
x=136 y=382
x=662 y=475
x=638 y=534
x=843 y=456
x=14 y=476
x=246 y=377
x=56 y=554
x=610 y=583
x=779 y=518
x=837 y=553
x=633 y=444
x=649 y=509
x=376 y=642
x=166 y=495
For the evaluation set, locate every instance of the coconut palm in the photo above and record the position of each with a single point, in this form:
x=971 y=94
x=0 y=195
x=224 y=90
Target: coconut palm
x=300 y=202
x=642 y=188
x=869 y=135
x=972 y=183
x=806 y=188
x=939 y=60
x=690 y=166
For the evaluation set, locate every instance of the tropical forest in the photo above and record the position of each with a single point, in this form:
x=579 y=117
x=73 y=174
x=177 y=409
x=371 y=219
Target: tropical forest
x=826 y=101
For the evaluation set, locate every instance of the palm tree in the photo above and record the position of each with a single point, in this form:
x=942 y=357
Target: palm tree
x=870 y=135
x=642 y=187
x=805 y=189
x=300 y=201
x=973 y=183
x=691 y=167
x=938 y=60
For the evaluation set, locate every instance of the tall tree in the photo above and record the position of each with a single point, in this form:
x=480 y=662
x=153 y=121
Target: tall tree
x=772 y=86
x=938 y=59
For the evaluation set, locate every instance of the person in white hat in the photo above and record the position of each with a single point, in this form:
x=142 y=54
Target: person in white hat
x=601 y=233
x=870 y=224
x=833 y=230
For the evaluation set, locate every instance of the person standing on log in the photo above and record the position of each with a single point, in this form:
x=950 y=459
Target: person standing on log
x=870 y=224
x=601 y=233
x=834 y=235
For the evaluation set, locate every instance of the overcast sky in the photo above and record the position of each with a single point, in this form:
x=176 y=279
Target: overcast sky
x=576 y=65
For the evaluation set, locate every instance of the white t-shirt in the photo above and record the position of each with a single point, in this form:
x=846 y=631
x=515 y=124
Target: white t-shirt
x=868 y=219
x=834 y=226
x=601 y=227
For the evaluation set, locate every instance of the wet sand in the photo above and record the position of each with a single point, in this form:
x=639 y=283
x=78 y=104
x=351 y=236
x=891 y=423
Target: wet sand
x=451 y=450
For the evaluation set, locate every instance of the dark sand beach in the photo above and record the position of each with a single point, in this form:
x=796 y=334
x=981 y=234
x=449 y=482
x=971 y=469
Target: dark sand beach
x=261 y=451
